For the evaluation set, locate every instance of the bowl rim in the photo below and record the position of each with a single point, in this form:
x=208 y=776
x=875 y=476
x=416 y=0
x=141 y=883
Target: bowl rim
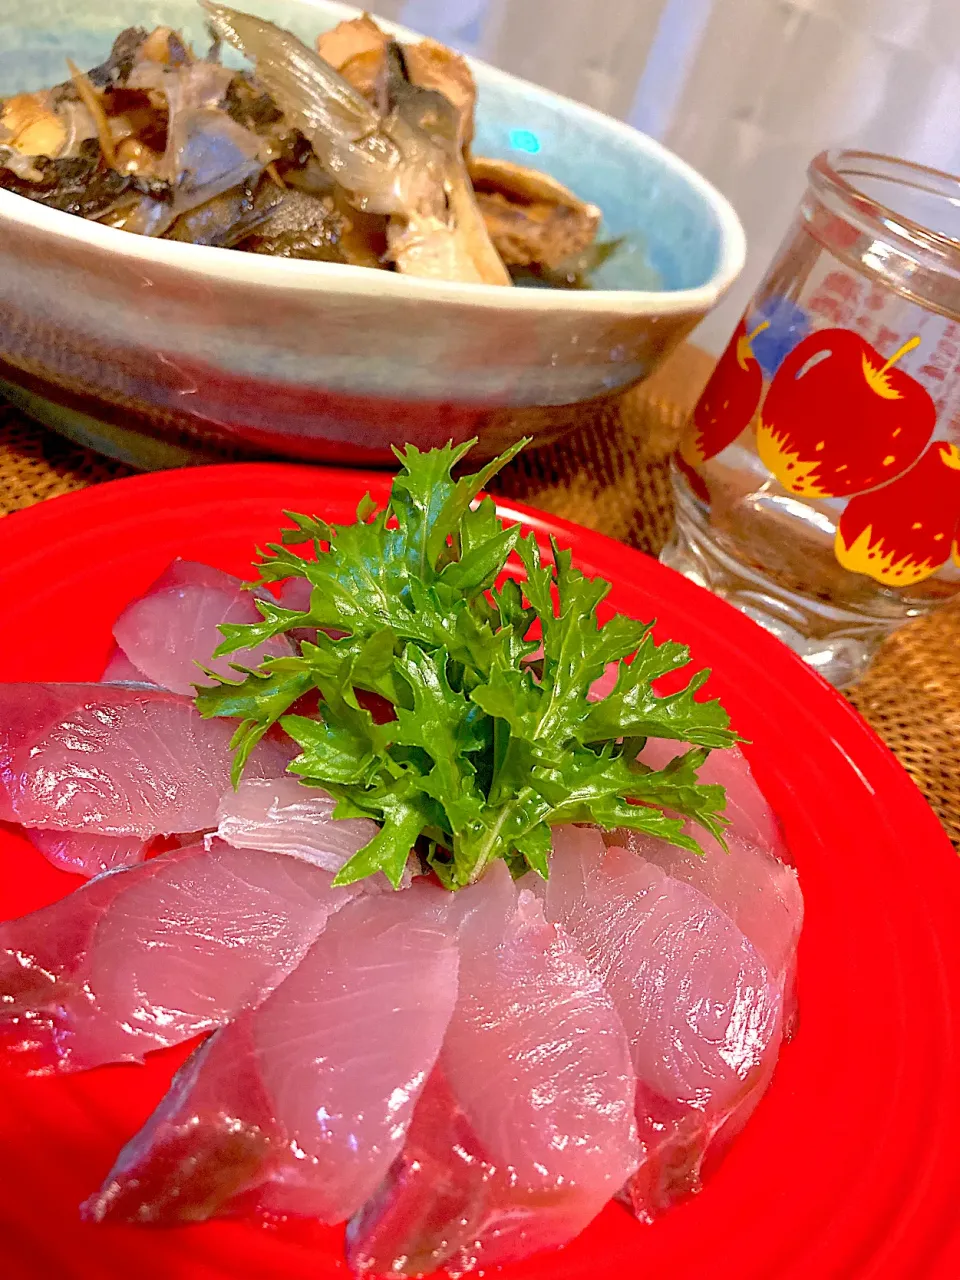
x=254 y=269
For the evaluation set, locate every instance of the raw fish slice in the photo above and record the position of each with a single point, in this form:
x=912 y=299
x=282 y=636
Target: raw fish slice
x=747 y=808
x=284 y=816
x=539 y=1060
x=679 y=1140
x=141 y=959
x=120 y=670
x=295 y=594
x=173 y=630
x=759 y=893
x=697 y=1001
x=301 y=1105
x=701 y=1009
x=754 y=883
x=188 y=948
x=750 y=814
x=27 y=711
x=435 y=1199
x=116 y=760
x=42 y=956
x=482 y=913
x=281 y=815
x=86 y=854
x=526 y=1129
x=604 y=685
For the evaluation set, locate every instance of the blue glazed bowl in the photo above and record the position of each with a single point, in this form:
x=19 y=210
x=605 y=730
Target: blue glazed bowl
x=159 y=352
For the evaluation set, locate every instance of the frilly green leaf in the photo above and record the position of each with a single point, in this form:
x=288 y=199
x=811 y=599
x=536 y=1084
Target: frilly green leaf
x=474 y=744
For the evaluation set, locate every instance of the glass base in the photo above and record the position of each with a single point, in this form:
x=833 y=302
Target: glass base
x=838 y=643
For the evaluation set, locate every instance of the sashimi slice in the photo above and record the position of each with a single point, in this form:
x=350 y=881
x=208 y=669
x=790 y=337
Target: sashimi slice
x=539 y=1060
x=86 y=854
x=680 y=1142
x=702 y=1011
x=696 y=999
x=604 y=685
x=526 y=1129
x=120 y=670
x=173 y=630
x=301 y=1106
x=295 y=594
x=754 y=881
x=41 y=967
x=146 y=958
x=435 y=1199
x=756 y=890
x=748 y=809
x=284 y=816
x=116 y=760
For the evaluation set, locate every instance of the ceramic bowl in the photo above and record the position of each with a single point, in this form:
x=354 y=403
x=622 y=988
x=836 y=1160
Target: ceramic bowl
x=155 y=351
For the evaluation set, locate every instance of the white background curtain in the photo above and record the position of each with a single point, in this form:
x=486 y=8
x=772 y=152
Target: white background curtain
x=746 y=90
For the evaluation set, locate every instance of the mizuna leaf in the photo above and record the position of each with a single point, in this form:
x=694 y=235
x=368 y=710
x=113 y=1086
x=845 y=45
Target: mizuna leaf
x=480 y=745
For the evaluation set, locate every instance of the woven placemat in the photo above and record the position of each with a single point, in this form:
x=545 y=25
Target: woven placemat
x=612 y=474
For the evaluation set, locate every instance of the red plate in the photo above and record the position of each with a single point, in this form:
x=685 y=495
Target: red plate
x=848 y=1169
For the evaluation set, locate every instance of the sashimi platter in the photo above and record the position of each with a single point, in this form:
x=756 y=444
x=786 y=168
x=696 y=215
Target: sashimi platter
x=454 y=885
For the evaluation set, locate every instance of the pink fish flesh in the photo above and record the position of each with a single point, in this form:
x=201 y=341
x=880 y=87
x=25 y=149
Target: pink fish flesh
x=115 y=760
x=695 y=997
x=604 y=685
x=86 y=854
x=539 y=1060
x=754 y=883
x=435 y=1200
x=173 y=630
x=747 y=807
x=526 y=1129
x=702 y=1011
x=301 y=1105
x=120 y=670
x=141 y=959
x=758 y=892
x=295 y=594
x=282 y=815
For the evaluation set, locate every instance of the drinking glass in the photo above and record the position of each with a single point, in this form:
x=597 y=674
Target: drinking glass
x=817 y=483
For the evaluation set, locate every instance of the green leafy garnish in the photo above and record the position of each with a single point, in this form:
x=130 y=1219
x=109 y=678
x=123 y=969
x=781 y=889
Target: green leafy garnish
x=485 y=741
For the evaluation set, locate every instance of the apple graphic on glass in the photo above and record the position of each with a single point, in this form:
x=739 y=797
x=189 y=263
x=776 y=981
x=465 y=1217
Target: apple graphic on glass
x=839 y=419
x=902 y=533
x=729 y=400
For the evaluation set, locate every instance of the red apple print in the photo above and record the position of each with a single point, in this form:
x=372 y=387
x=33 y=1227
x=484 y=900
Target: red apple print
x=901 y=534
x=692 y=477
x=839 y=419
x=729 y=399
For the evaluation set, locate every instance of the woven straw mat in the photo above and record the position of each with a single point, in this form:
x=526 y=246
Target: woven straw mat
x=611 y=474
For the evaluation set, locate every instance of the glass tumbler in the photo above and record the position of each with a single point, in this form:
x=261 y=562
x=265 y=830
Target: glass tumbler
x=817 y=483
